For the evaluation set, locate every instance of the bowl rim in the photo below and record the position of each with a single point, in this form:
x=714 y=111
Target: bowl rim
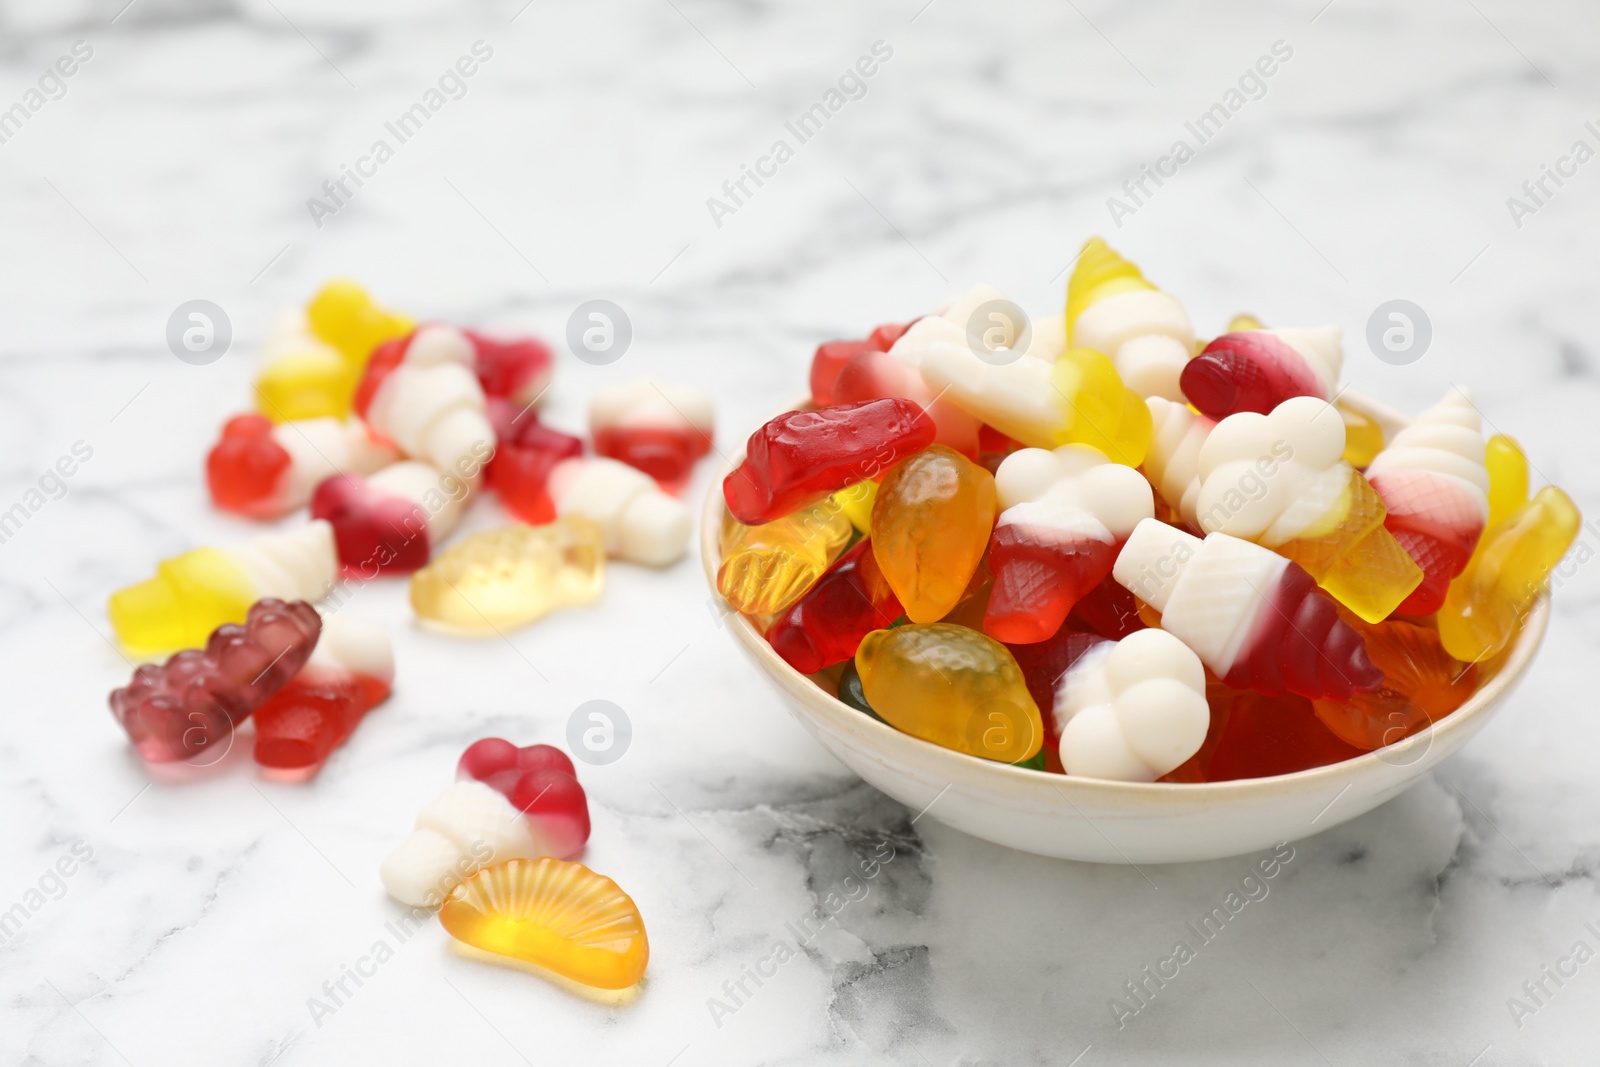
x=1463 y=721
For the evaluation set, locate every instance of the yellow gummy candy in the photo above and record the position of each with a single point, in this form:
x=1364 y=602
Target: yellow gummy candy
x=1353 y=556
x=559 y=915
x=1486 y=602
x=1363 y=437
x=952 y=686
x=1099 y=410
x=343 y=315
x=930 y=528
x=511 y=576
x=767 y=568
x=1508 y=477
x=1245 y=321
x=1100 y=272
x=311 y=384
x=190 y=596
x=856 y=502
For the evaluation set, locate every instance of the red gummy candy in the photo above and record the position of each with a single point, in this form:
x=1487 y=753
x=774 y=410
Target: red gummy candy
x=666 y=454
x=802 y=456
x=831 y=357
x=244 y=467
x=1043 y=663
x=539 y=781
x=1108 y=610
x=1039 y=576
x=526 y=451
x=376 y=532
x=1247 y=371
x=301 y=724
x=198 y=697
x=1264 y=736
x=385 y=359
x=508 y=367
x=826 y=625
x=1301 y=645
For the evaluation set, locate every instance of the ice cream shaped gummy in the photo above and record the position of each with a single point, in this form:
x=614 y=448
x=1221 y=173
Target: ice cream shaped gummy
x=1255 y=618
x=1281 y=480
x=1132 y=710
x=638 y=522
x=1256 y=370
x=874 y=375
x=1063 y=516
x=350 y=672
x=266 y=471
x=507 y=803
x=194 y=593
x=658 y=427
x=391 y=522
x=1173 y=462
x=1111 y=308
x=1078 y=398
x=424 y=396
x=1433 y=481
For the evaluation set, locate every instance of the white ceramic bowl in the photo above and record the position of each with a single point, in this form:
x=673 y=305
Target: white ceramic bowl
x=1116 y=822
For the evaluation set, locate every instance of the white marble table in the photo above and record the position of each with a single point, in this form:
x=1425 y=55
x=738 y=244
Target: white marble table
x=203 y=921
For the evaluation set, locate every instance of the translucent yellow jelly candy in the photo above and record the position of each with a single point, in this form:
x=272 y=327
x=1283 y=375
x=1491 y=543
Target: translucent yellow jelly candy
x=559 y=915
x=1353 y=556
x=1245 y=321
x=1508 y=477
x=343 y=315
x=1099 y=273
x=1363 y=437
x=856 y=502
x=1486 y=602
x=766 y=568
x=509 y=577
x=952 y=686
x=309 y=384
x=190 y=596
x=1100 y=410
x=930 y=528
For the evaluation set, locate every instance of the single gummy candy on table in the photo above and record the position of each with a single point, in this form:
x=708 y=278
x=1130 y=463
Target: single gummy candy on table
x=424 y=396
x=1485 y=605
x=930 y=527
x=266 y=471
x=1256 y=370
x=767 y=568
x=506 y=803
x=800 y=457
x=508 y=577
x=525 y=452
x=561 y=916
x=196 y=592
x=1281 y=480
x=638 y=521
x=350 y=672
x=658 y=427
x=1132 y=710
x=1112 y=308
x=1064 y=515
x=1435 y=487
x=343 y=315
x=391 y=522
x=193 y=701
x=952 y=686
x=826 y=625
x=1252 y=616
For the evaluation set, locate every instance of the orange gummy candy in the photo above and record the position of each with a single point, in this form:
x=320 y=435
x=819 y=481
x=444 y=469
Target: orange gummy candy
x=1422 y=683
x=559 y=915
x=930 y=527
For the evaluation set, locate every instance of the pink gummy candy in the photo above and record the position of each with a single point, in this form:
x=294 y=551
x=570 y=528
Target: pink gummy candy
x=540 y=782
x=195 y=700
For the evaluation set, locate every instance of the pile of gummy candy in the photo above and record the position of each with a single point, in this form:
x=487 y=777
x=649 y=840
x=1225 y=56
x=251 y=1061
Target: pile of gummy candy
x=1091 y=544
x=386 y=431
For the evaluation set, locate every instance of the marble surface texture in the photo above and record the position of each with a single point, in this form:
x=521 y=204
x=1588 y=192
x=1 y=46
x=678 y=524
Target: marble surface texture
x=203 y=921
